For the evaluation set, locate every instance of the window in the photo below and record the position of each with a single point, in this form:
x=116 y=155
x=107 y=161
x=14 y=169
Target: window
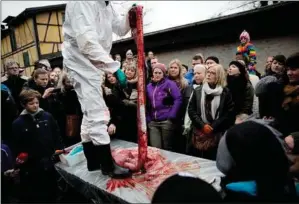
x=13 y=41
x=63 y=17
x=26 y=59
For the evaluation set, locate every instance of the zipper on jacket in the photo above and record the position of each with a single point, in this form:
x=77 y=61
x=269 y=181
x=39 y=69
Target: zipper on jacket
x=155 y=112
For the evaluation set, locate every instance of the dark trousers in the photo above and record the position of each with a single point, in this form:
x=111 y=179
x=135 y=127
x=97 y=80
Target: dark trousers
x=161 y=134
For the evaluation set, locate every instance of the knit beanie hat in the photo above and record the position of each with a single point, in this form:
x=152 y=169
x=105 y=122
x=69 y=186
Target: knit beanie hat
x=265 y=84
x=241 y=67
x=245 y=35
x=293 y=61
x=185 y=188
x=160 y=66
x=215 y=59
x=252 y=150
x=280 y=58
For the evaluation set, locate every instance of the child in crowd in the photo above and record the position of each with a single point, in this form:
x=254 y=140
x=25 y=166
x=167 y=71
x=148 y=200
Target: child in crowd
x=247 y=50
x=36 y=134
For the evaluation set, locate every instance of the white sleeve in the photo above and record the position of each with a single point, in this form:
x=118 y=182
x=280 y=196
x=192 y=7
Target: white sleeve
x=120 y=25
x=83 y=23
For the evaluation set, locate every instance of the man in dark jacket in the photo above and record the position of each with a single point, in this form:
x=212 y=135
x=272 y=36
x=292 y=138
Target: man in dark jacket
x=40 y=84
x=14 y=82
x=36 y=134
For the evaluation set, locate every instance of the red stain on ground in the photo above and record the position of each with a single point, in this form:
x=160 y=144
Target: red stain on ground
x=157 y=170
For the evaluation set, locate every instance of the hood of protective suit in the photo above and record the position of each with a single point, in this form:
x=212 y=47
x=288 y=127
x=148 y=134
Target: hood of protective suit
x=87 y=30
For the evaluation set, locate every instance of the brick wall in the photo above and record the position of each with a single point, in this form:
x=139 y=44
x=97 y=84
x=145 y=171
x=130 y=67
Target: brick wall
x=226 y=52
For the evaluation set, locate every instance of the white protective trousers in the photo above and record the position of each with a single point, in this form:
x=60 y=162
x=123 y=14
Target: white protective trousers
x=87 y=43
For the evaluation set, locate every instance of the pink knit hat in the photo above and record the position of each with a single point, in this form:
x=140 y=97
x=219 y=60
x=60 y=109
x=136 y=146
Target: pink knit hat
x=245 y=35
x=160 y=66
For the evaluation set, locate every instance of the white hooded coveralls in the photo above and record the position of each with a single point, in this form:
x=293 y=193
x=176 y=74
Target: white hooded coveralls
x=87 y=42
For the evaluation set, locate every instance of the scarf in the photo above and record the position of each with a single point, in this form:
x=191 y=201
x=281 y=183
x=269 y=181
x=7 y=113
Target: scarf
x=291 y=96
x=206 y=90
x=187 y=120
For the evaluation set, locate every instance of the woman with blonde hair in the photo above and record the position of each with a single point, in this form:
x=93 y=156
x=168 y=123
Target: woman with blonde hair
x=70 y=111
x=175 y=73
x=211 y=111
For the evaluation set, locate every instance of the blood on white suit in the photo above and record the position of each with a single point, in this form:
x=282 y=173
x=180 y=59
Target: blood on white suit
x=88 y=29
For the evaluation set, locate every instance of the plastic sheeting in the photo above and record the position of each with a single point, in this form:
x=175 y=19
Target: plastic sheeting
x=102 y=189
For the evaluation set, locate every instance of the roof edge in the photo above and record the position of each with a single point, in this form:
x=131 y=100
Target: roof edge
x=265 y=8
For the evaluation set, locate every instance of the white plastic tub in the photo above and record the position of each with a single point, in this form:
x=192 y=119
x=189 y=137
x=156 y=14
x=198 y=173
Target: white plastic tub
x=71 y=160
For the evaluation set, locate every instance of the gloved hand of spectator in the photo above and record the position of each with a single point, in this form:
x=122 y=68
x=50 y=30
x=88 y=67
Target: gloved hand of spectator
x=207 y=129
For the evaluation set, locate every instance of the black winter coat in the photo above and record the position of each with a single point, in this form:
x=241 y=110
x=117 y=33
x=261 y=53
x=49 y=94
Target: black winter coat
x=39 y=136
x=225 y=112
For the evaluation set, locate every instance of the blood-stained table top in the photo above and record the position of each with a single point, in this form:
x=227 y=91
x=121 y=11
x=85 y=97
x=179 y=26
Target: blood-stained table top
x=139 y=188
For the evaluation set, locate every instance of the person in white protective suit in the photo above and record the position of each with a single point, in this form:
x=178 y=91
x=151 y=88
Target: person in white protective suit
x=87 y=43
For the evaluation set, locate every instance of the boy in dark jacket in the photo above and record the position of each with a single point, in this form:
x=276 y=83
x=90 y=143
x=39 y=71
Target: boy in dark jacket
x=36 y=133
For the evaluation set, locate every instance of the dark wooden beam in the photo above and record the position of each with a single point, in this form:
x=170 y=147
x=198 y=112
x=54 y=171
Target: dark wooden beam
x=49 y=24
x=52 y=55
x=53 y=48
x=19 y=50
x=47 y=42
x=49 y=19
x=36 y=37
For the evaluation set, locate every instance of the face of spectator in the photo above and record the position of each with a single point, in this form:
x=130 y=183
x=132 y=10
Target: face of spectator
x=199 y=75
x=211 y=76
x=293 y=75
x=57 y=70
x=243 y=40
x=210 y=63
x=174 y=70
x=118 y=58
x=158 y=75
x=53 y=76
x=42 y=80
x=277 y=67
x=13 y=70
x=67 y=83
x=32 y=106
x=184 y=71
x=130 y=73
x=153 y=62
x=150 y=55
x=233 y=70
x=129 y=55
x=111 y=78
x=269 y=62
x=195 y=62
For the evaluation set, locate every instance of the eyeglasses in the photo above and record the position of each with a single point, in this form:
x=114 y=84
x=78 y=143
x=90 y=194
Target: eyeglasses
x=12 y=68
x=210 y=72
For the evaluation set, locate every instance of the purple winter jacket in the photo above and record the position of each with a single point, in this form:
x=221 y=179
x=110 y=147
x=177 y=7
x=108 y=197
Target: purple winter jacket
x=156 y=94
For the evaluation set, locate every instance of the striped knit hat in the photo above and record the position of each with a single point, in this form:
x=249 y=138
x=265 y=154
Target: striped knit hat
x=245 y=35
